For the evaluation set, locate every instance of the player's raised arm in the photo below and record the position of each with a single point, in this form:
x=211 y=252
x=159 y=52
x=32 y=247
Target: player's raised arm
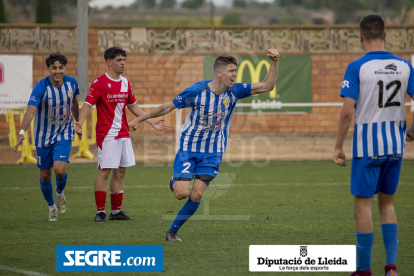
x=27 y=118
x=269 y=81
x=157 y=124
x=159 y=111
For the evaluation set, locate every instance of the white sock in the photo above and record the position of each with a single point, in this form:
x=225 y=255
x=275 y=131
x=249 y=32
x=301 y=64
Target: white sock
x=52 y=207
x=100 y=212
x=114 y=212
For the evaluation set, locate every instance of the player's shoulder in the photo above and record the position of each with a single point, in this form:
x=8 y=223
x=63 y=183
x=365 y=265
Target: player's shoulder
x=42 y=84
x=70 y=79
x=199 y=86
x=100 y=79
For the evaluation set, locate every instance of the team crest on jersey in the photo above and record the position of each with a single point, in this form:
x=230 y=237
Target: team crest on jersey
x=109 y=85
x=70 y=94
x=391 y=66
x=226 y=100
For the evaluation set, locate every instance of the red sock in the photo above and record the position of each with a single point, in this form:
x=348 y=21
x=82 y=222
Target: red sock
x=116 y=201
x=100 y=199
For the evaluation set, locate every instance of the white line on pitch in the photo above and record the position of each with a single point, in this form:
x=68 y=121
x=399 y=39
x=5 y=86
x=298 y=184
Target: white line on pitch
x=21 y=271
x=217 y=185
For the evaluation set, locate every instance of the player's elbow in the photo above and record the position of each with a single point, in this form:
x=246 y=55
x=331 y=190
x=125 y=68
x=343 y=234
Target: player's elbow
x=268 y=86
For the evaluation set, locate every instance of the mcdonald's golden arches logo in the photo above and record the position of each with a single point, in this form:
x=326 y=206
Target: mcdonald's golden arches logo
x=255 y=73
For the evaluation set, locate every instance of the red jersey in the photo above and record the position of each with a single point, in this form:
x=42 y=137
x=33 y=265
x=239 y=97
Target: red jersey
x=111 y=97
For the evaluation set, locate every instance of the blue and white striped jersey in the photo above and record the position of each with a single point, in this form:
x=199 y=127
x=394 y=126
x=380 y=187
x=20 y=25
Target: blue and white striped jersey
x=208 y=123
x=53 y=119
x=379 y=82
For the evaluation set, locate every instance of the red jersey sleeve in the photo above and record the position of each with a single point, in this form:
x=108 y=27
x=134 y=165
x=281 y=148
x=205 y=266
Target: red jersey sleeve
x=93 y=96
x=131 y=98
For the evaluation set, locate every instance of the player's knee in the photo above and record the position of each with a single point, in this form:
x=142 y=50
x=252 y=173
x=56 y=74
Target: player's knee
x=45 y=176
x=195 y=195
x=60 y=173
x=180 y=195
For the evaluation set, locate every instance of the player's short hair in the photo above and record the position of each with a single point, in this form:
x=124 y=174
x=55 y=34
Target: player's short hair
x=53 y=57
x=224 y=60
x=113 y=52
x=372 y=27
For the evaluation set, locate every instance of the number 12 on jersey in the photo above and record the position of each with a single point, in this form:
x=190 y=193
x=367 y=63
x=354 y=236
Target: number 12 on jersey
x=389 y=102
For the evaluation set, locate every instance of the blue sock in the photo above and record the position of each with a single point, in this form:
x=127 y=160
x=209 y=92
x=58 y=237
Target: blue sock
x=364 y=248
x=189 y=208
x=47 y=190
x=390 y=238
x=61 y=183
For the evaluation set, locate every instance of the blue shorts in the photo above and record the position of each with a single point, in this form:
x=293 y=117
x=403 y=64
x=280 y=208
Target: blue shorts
x=187 y=164
x=372 y=174
x=59 y=151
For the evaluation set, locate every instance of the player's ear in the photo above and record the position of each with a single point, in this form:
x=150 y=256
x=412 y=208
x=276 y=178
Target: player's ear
x=385 y=34
x=361 y=38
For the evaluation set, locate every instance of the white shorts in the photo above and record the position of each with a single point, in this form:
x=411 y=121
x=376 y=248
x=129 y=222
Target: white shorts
x=115 y=154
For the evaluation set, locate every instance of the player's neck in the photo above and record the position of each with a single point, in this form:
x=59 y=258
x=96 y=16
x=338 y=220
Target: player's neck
x=56 y=84
x=113 y=75
x=373 y=46
x=216 y=87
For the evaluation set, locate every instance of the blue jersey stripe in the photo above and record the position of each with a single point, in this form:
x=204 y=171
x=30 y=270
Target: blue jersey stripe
x=216 y=133
x=355 y=142
x=393 y=137
x=384 y=138
x=375 y=138
x=194 y=130
x=402 y=126
x=365 y=139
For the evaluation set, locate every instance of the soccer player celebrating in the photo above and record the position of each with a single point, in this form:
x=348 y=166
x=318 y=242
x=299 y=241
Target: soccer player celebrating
x=52 y=103
x=375 y=86
x=112 y=93
x=204 y=133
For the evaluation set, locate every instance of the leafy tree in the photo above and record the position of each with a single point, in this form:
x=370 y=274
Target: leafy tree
x=167 y=4
x=43 y=11
x=192 y=4
x=345 y=11
x=2 y=12
x=239 y=4
x=231 y=19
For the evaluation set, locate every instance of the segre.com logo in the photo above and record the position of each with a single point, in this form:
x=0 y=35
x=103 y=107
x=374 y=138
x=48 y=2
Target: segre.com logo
x=109 y=258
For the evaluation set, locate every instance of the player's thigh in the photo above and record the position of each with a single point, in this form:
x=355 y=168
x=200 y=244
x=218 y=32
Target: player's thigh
x=61 y=150
x=365 y=172
x=109 y=154
x=127 y=154
x=198 y=189
x=390 y=174
x=208 y=165
x=44 y=157
x=184 y=165
x=182 y=187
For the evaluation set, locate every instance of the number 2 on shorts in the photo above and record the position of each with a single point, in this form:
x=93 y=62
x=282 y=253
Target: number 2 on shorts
x=187 y=166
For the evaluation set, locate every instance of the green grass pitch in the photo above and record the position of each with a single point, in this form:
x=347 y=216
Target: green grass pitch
x=306 y=202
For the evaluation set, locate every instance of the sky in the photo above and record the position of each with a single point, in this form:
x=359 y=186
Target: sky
x=119 y=3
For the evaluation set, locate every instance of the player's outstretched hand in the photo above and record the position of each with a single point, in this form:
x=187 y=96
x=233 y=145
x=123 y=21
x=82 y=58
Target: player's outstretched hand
x=410 y=134
x=20 y=138
x=273 y=54
x=78 y=130
x=158 y=124
x=339 y=157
